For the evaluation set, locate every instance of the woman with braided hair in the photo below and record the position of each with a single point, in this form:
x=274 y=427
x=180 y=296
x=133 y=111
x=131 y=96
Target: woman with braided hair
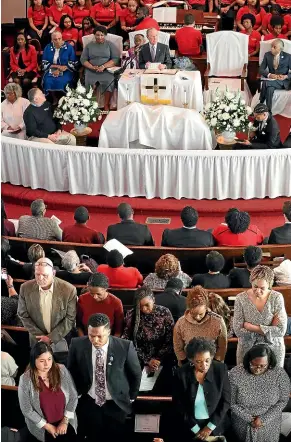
x=199 y=321
x=150 y=327
x=260 y=316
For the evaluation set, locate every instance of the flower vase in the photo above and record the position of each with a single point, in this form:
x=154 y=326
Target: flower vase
x=228 y=136
x=80 y=127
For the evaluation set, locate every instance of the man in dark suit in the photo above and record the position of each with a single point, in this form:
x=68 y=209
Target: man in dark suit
x=129 y=232
x=107 y=375
x=188 y=235
x=282 y=234
x=240 y=277
x=267 y=132
x=276 y=66
x=172 y=298
x=154 y=52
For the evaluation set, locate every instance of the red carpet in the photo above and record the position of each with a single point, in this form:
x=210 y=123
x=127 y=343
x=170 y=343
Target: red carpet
x=266 y=213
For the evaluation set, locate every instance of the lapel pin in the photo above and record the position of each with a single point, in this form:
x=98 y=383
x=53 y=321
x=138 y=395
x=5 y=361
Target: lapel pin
x=110 y=360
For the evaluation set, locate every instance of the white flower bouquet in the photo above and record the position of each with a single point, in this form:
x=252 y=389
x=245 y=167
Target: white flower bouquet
x=228 y=113
x=78 y=106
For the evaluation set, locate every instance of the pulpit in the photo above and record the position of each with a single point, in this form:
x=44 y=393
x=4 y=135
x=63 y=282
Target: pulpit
x=180 y=89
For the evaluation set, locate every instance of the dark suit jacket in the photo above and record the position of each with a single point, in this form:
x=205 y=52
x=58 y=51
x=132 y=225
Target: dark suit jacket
x=123 y=372
x=281 y=235
x=284 y=68
x=63 y=315
x=162 y=55
x=175 y=303
x=269 y=136
x=216 y=388
x=130 y=233
x=187 y=238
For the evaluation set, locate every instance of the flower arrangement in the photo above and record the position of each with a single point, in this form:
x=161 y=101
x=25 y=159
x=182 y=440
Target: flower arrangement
x=78 y=106
x=228 y=113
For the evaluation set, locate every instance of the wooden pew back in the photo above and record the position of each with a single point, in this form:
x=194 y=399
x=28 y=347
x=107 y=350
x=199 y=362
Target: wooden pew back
x=144 y=258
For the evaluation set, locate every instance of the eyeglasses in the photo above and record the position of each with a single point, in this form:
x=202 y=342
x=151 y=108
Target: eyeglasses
x=259 y=367
x=43 y=264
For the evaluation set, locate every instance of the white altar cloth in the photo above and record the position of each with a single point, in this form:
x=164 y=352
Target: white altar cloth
x=189 y=81
x=194 y=174
x=156 y=127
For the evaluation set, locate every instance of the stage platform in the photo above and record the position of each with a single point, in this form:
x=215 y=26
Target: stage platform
x=147 y=173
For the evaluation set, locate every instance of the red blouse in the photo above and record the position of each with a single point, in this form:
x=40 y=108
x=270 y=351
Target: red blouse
x=79 y=14
x=254 y=40
x=37 y=15
x=272 y=37
x=104 y=14
x=57 y=15
x=52 y=403
x=246 y=10
x=127 y=18
x=224 y=237
x=83 y=33
x=286 y=26
x=29 y=59
x=127 y=277
x=70 y=34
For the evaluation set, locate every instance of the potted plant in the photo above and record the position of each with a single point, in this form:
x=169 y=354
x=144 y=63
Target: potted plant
x=228 y=114
x=78 y=106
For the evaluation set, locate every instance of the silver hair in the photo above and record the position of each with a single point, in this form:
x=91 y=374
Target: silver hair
x=13 y=87
x=31 y=93
x=56 y=32
x=281 y=42
x=151 y=29
x=70 y=261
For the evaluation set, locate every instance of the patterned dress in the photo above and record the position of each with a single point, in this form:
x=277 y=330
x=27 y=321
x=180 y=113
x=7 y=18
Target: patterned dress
x=155 y=283
x=154 y=336
x=264 y=395
x=246 y=311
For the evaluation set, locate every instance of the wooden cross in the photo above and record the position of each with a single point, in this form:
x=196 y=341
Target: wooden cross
x=155 y=88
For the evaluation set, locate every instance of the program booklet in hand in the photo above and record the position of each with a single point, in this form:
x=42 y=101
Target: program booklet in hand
x=57 y=220
x=114 y=244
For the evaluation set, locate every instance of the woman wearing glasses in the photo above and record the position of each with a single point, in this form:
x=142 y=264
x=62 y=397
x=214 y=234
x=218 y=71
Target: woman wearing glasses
x=259 y=392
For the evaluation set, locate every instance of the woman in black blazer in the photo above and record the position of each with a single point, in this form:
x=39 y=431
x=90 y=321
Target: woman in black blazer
x=202 y=393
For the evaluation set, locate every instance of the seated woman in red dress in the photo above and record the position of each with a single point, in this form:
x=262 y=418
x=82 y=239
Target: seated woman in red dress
x=252 y=7
x=23 y=62
x=69 y=32
x=57 y=10
x=106 y=13
x=128 y=16
x=38 y=21
x=48 y=397
x=237 y=230
x=81 y=10
x=276 y=23
x=88 y=26
x=248 y=22
x=275 y=11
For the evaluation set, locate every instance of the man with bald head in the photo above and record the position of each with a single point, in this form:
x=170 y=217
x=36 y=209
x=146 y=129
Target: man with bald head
x=154 y=52
x=47 y=305
x=276 y=66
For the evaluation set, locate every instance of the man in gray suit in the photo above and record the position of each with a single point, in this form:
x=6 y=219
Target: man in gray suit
x=276 y=66
x=47 y=306
x=154 y=52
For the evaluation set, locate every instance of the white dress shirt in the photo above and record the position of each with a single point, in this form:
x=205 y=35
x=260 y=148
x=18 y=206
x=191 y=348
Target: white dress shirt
x=56 y=55
x=104 y=349
x=12 y=115
x=46 y=297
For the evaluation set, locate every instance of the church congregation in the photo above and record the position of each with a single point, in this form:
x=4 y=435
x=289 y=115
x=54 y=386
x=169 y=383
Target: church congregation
x=90 y=348
x=146 y=221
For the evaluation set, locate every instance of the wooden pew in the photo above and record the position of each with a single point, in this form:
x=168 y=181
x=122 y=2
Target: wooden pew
x=192 y=259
